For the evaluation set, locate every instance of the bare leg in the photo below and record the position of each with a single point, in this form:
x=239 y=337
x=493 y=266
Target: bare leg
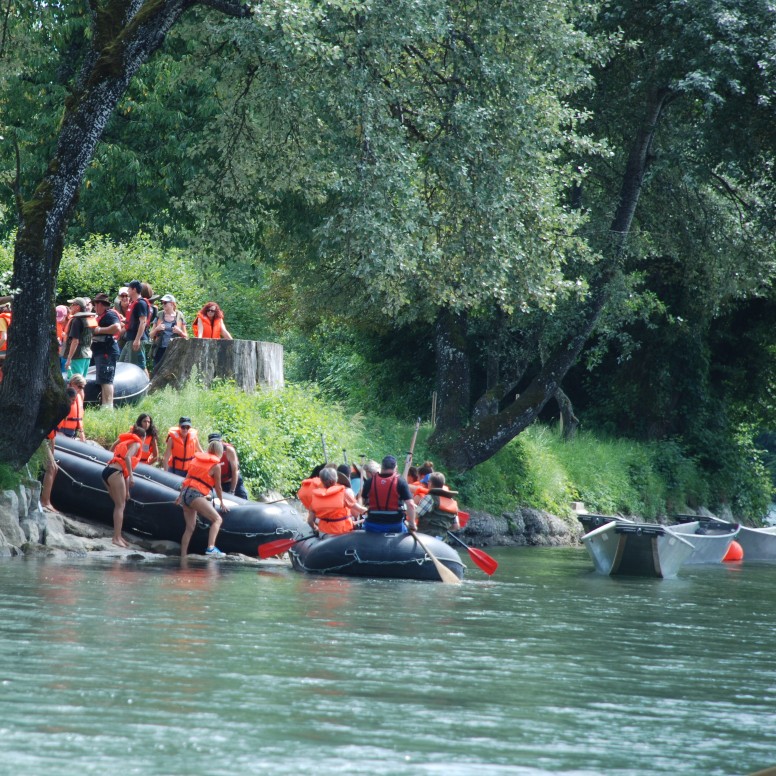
x=107 y=395
x=190 y=516
x=48 y=484
x=208 y=511
x=118 y=492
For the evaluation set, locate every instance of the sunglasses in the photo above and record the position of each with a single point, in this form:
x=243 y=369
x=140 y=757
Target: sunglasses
x=211 y=309
x=123 y=294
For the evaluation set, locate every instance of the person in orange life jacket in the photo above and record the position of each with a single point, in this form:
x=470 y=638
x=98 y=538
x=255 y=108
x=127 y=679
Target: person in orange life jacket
x=50 y=474
x=231 y=477
x=124 y=451
x=389 y=500
x=182 y=443
x=149 y=450
x=204 y=475
x=304 y=494
x=105 y=348
x=332 y=504
x=425 y=471
x=73 y=425
x=78 y=346
x=209 y=323
x=438 y=510
x=344 y=478
x=135 y=328
x=5 y=322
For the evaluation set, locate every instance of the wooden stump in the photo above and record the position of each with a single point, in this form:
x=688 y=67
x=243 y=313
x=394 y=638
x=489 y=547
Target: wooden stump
x=247 y=362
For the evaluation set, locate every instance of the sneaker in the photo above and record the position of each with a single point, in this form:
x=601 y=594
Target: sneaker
x=214 y=552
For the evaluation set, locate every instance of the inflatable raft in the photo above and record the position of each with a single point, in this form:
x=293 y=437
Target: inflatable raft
x=151 y=510
x=364 y=554
x=129 y=385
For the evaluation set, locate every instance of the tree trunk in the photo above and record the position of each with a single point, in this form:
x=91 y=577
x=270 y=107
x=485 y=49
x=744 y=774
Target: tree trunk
x=569 y=421
x=484 y=437
x=125 y=33
x=248 y=363
x=452 y=372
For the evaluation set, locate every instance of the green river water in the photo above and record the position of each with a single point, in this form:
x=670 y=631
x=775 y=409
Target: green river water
x=135 y=668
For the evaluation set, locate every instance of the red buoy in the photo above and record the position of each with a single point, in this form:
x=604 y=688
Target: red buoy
x=735 y=552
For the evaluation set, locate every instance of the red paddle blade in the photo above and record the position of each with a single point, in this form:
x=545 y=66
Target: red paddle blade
x=463 y=518
x=278 y=547
x=487 y=563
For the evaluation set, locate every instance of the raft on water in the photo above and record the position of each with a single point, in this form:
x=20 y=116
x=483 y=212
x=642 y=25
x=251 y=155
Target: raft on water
x=365 y=554
x=129 y=385
x=151 y=510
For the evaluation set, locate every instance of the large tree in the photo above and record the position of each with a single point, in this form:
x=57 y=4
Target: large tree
x=123 y=34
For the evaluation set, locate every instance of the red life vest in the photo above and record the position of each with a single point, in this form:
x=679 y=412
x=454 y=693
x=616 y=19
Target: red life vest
x=209 y=331
x=328 y=505
x=182 y=450
x=199 y=476
x=384 y=494
x=305 y=493
x=75 y=417
x=226 y=467
x=120 y=452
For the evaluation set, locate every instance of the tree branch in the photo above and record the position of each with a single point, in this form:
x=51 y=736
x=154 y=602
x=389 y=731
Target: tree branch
x=229 y=8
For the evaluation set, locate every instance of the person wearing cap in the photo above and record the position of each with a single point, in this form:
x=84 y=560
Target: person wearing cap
x=182 y=443
x=78 y=346
x=389 y=500
x=135 y=327
x=332 y=503
x=105 y=348
x=437 y=511
x=170 y=324
x=231 y=478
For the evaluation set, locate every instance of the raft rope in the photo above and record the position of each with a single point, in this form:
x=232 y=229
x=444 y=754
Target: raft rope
x=358 y=560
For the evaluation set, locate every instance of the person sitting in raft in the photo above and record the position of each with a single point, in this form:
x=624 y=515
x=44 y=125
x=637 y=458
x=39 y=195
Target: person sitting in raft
x=209 y=323
x=369 y=469
x=204 y=475
x=332 y=504
x=438 y=511
x=305 y=492
x=182 y=444
x=389 y=500
x=128 y=445
x=231 y=477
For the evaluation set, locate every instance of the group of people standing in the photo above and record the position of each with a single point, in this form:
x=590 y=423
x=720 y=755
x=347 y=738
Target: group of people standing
x=386 y=502
x=131 y=328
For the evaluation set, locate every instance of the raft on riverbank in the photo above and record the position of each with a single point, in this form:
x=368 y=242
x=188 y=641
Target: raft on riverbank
x=151 y=510
x=366 y=554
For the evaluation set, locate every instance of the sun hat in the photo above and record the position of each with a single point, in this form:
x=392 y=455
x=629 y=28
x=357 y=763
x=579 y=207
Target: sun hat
x=61 y=312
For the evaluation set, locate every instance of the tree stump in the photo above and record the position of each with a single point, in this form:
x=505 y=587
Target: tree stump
x=247 y=362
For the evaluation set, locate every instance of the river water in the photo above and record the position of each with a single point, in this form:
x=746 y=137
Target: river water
x=136 y=668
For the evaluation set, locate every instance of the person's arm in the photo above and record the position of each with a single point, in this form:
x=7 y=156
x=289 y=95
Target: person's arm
x=311 y=519
x=216 y=472
x=80 y=410
x=131 y=450
x=224 y=333
x=199 y=447
x=234 y=465
x=425 y=505
x=141 y=325
x=356 y=510
x=112 y=330
x=180 y=327
x=167 y=455
x=411 y=524
x=154 y=448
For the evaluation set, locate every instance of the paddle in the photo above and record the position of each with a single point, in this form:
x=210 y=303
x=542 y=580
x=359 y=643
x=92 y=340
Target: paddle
x=463 y=518
x=447 y=576
x=279 y=546
x=410 y=452
x=482 y=559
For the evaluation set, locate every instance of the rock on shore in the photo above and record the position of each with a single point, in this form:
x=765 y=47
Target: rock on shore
x=524 y=527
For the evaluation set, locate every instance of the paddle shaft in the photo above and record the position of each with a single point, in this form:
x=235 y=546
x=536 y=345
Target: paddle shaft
x=325 y=451
x=447 y=576
x=408 y=459
x=487 y=563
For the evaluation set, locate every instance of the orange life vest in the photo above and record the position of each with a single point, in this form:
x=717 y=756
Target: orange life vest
x=328 y=505
x=209 y=331
x=420 y=491
x=199 y=476
x=446 y=503
x=75 y=417
x=145 y=449
x=305 y=493
x=182 y=450
x=6 y=316
x=120 y=452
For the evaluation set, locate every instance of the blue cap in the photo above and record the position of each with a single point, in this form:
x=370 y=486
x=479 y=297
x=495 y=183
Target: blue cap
x=389 y=462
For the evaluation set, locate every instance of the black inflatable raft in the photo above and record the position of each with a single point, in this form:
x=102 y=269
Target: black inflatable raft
x=151 y=510
x=129 y=385
x=364 y=554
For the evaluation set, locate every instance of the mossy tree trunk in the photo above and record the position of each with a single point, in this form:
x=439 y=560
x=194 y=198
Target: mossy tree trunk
x=125 y=33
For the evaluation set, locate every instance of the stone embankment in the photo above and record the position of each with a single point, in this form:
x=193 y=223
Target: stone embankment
x=25 y=528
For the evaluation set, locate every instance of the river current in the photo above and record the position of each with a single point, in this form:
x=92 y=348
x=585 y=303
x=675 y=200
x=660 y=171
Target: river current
x=139 y=668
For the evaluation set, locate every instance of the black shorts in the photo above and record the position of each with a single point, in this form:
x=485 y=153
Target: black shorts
x=108 y=472
x=105 y=368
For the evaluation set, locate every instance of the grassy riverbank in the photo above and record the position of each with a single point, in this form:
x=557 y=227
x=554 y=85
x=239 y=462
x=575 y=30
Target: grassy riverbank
x=278 y=437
